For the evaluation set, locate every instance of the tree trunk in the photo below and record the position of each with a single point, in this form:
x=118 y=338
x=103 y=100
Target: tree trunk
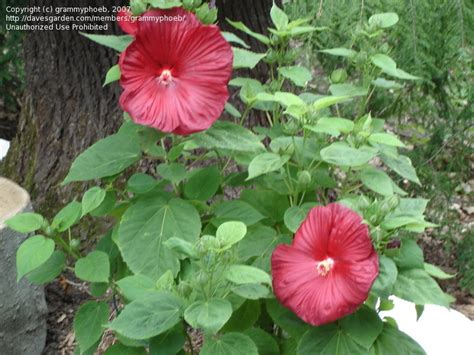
x=66 y=109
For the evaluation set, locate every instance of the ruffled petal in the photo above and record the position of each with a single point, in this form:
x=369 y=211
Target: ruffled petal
x=349 y=239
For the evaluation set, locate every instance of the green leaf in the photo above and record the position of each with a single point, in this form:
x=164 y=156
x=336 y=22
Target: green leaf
x=68 y=216
x=210 y=315
x=386 y=84
x=140 y=183
x=246 y=59
x=245 y=274
x=387 y=276
x=230 y=233
x=150 y=315
x=297 y=74
x=437 y=272
x=332 y=125
x=417 y=286
x=269 y=203
x=95 y=267
x=383 y=20
x=147 y=224
x=227 y=135
x=410 y=255
x=232 y=38
x=106 y=206
x=279 y=18
x=170 y=342
x=26 y=222
x=363 y=326
x=340 y=153
x=107 y=157
x=203 y=184
x=244 y=317
x=251 y=291
x=265 y=163
x=121 y=349
x=230 y=109
x=385 y=138
x=389 y=66
x=136 y=286
x=236 y=210
x=229 y=344
x=348 y=90
x=119 y=43
x=113 y=74
x=286 y=99
x=401 y=165
x=49 y=270
x=295 y=215
x=180 y=246
x=32 y=254
x=88 y=323
x=377 y=180
x=173 y=172
x=258 y=241
x=340 y=52
x=329 y=340
x=92 y=199
x=286 y=319
x=265 y=342
x=240 y=26
x=165 y=4
x=327 y=101
x=384 y=62
x=393 y=341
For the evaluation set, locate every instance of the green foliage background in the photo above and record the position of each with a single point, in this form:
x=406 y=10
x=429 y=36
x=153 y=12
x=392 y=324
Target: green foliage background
x=432 y=40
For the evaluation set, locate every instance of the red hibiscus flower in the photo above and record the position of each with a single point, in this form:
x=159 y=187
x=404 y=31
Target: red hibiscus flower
x=329 y=269
x=127 y=22
x=175 y=73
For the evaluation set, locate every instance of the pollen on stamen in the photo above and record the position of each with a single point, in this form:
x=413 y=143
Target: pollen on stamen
x=165 y=77
x=323 y=267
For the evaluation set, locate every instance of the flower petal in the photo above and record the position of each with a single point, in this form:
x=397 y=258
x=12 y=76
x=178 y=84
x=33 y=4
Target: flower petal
x=126 y=22
x=313 y=235
x=349 y=239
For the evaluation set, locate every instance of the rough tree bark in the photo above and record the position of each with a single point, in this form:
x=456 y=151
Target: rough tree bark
x=65 y=109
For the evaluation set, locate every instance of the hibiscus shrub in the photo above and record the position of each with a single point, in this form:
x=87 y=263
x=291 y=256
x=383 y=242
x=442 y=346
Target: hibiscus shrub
x=306 y=257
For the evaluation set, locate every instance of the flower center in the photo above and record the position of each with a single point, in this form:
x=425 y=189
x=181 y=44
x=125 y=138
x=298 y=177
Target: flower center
x=323 y=267
x=165 y=78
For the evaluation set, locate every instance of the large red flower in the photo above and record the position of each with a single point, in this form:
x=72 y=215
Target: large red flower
x=175 y=72
x=330 y=267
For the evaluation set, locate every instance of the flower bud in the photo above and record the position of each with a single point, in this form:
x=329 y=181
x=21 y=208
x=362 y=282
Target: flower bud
x=74 y=243
x=184 y=289
x=304 y=178
x=338 y=76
